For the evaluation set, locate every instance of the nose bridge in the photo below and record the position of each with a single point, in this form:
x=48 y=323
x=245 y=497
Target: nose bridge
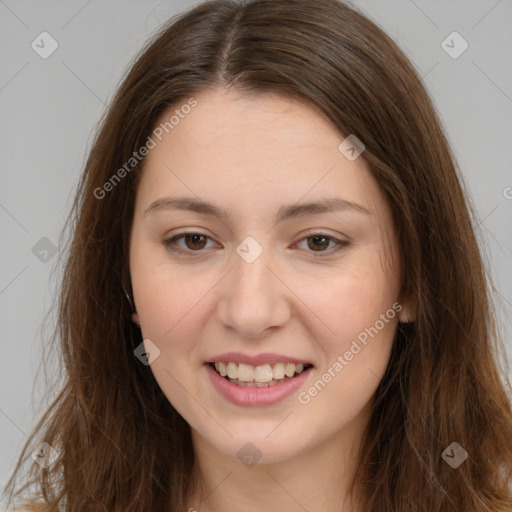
x=252 y=259
x=253 y=277
x=252 y=300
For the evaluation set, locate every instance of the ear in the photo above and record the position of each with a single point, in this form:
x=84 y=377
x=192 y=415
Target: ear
x=408 y=312
x=135 y=318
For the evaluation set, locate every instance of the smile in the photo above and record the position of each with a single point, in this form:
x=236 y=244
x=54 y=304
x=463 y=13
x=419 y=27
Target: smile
x=261 y=376
x=257 y=385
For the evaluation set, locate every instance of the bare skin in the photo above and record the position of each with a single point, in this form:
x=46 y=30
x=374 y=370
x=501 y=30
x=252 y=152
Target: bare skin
x=303 y=297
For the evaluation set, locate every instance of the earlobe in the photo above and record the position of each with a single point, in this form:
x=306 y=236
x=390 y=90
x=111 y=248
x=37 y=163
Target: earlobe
x=408 y=312
x=135 y=318
x=405 y=316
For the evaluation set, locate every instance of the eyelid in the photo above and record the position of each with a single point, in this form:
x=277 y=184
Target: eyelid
x=168 y=241
x=340 y=244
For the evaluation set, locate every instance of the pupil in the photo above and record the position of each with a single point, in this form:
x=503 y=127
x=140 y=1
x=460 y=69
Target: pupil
x=194 y=240
x=316 y=241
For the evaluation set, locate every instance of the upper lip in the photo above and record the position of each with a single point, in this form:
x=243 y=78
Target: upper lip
x=256 y=360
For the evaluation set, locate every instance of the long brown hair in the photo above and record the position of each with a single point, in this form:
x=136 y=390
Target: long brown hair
x=122 y=446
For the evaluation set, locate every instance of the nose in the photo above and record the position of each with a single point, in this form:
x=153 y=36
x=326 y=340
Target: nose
x=254 y=301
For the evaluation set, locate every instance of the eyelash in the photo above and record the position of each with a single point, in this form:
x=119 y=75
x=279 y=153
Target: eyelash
x=169 y=244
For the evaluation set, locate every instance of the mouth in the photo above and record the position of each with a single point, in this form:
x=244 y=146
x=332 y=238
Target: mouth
x=262 y=376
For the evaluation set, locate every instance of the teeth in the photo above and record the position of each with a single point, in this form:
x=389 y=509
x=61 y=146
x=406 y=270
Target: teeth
x=289 y=369
x=245 y=372
x=232 y=370
x=278 y=371
x=261 y=376
x=221 y=368
x=263 y=373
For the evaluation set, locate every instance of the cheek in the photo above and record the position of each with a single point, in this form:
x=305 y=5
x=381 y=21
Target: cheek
x=171 y=312
x=174 y=304
x=352 y=302
x=356 y=348
x=169 y=308
x=164 y=292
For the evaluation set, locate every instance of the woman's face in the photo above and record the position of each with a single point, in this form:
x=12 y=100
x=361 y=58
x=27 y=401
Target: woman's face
x=229 y=265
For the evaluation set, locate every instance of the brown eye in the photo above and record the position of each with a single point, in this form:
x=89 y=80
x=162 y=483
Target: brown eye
x=318 y=243
x=193 y=242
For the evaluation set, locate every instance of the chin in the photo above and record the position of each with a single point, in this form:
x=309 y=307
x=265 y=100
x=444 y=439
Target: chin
x=259 y=448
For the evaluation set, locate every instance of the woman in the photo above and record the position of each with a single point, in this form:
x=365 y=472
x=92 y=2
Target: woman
x=274 y=298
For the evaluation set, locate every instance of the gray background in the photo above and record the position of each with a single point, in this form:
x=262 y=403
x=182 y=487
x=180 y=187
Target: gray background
x=50 y=107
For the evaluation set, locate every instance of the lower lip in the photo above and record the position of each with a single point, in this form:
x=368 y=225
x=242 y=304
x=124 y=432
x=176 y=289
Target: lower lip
x=254 y=396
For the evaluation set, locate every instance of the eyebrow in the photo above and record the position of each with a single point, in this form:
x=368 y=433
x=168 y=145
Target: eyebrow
x=195 y=205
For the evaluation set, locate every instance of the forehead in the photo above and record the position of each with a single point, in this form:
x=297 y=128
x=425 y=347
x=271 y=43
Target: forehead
x=253 y=150
x=251 y=123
